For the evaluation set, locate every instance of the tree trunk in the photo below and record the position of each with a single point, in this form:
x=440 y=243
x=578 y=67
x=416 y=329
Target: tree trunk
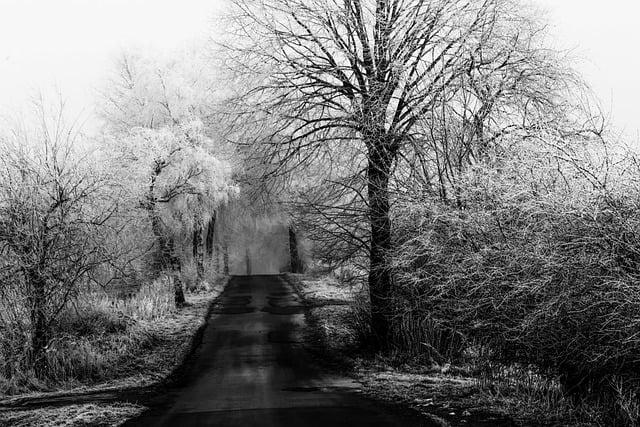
x=163 y=251
x=198 y=256
x=178 y=292
x=39 y=327
x=210 y=234
x=175 y=265
x=217 y=258
x=296 y=263
x=380 y=278
x=165 y=258
x=211 y=227
x=248 y=261
x=210 y=247
x=225 y=258
x=161 y=259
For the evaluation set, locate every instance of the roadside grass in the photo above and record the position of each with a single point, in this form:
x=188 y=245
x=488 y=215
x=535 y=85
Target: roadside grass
x=72 y=416
x=94 y=339
x=106 y=344
x=473 y=393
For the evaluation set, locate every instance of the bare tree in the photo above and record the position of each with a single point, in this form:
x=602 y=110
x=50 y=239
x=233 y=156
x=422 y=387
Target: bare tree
x=57 y=211
x=370 y=74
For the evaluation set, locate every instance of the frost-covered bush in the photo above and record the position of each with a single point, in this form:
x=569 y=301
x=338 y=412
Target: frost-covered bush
x=539 y=266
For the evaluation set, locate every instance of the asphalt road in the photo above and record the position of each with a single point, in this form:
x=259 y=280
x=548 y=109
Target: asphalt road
x=252 y=370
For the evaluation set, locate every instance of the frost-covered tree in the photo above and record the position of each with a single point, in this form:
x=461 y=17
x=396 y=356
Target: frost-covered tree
x=155 y=89
x=60 y=223
x=159 y=125
x=331 y=74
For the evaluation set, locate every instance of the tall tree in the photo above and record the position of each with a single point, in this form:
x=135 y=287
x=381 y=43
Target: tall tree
x=158 y=122
x=366 y=76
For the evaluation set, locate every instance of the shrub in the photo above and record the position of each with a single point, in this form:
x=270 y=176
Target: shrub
x=539 y=271
x=92 y=335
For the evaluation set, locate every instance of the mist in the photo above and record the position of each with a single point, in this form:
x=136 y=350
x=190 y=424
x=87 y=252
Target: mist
x=260 y=248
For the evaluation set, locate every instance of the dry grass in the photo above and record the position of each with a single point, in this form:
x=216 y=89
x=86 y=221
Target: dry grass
x=90 y=340
x=151 y=340
x=326 y=290
x=458 y=394
x=150 y=302
x=72 y=416
x=460 y=400
x=110 y=341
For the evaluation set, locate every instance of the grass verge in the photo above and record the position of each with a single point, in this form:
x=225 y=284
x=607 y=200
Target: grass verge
x=147 y=352
x=72 y=415
x=451 y=395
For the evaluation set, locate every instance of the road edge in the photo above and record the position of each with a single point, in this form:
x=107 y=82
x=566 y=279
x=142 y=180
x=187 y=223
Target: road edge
x=136 y=394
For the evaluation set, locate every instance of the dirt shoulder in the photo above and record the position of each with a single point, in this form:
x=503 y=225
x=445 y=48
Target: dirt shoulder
x=172 y=340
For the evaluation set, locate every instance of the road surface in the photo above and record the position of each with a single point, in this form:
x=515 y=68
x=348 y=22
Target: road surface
x=252 y=370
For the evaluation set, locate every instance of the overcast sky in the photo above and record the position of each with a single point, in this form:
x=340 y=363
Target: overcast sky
x=70 y=44
x=605 y=35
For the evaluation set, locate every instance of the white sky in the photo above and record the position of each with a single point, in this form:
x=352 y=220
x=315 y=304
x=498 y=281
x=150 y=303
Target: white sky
x=69 y=44
x=605 y=35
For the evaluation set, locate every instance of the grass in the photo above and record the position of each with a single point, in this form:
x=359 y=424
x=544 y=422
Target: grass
x=72 y=416
x=104 y=343
x=475 y=393
x=93 y=340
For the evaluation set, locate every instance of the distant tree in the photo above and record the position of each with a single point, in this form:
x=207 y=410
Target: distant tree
x=294 y=253
x=156 y=89
x=156 y=115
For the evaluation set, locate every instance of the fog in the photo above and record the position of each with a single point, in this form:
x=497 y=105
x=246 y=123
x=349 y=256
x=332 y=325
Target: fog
x=259 y=247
